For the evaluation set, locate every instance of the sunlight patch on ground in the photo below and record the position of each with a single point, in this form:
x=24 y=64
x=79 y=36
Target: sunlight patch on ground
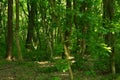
x=64 y=74
x=59 y=57
x=49 y=64
x=43 y=62
x=10 y=78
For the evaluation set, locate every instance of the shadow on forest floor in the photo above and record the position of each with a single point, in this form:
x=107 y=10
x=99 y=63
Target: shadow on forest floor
x=39 y=71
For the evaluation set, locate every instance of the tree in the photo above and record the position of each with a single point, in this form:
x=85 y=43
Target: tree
x=53 y=23
x=81 y=24
x=31 y=6
x=67 y=33
x=9 y=38
x=68 y=28
x=17 y=31
x=108 y=15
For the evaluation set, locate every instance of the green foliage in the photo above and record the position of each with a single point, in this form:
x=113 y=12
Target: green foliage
x=58 y=49
x=79 y=62
x=100 y=56
x=90 y=73
x=37 y=55
x=62 y=65
x=3 y=48
x=55 y=78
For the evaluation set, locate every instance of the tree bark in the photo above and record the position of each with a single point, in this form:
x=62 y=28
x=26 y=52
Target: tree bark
x=9 y=31
x=31 y=24
x=17 y=32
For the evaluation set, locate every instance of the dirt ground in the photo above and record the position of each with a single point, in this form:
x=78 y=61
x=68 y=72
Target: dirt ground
x=39 y=71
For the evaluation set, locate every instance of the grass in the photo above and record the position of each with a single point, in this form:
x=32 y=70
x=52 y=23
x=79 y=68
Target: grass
x=41 y=71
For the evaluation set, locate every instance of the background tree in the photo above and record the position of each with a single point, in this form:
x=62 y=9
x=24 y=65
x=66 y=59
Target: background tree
x=108 y=16
x=31 y=6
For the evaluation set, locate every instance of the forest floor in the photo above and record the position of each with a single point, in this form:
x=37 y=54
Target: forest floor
x=40 y=71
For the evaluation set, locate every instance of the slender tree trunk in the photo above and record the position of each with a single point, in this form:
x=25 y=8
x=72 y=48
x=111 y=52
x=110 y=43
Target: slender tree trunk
x=45 y=32
x=68 y=28
x=67 y=34
x=84 y=28
x=53 y=23
x=80 y=25
x=17 y=31
x=9 y=31
x=76 y=23
x=108 y=14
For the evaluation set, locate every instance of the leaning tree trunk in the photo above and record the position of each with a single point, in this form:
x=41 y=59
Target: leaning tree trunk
x=67 y=34
x=9 y=31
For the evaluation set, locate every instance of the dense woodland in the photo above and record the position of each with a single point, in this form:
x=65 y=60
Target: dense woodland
x=75 y=36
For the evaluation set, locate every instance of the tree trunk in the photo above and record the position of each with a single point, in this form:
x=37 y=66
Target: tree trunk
x=53 y=23
x=31 y=24
x=67 y=34
x=9 y=31
x=17 y=32
x=68 y=28
x=80 y=26
x=76 y=23
x=108 y=14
